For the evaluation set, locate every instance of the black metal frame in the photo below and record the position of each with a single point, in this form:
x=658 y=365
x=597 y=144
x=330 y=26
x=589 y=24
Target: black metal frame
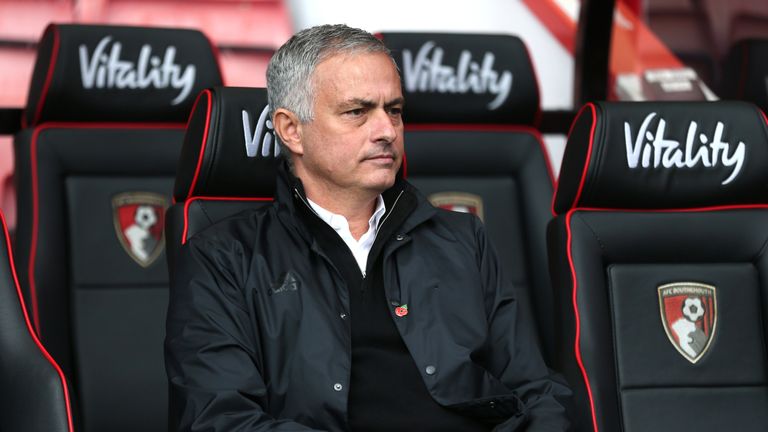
x=593 y=51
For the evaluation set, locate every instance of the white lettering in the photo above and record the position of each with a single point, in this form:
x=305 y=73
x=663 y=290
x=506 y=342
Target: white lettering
x=667 y=153
x=424 y=74
x=108 y=70
x=251 y=140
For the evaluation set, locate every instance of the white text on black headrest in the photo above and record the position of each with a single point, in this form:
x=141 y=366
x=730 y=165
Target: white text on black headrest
x=104 y=69
x=667 y=153
x=252 y=140
x=425 y=74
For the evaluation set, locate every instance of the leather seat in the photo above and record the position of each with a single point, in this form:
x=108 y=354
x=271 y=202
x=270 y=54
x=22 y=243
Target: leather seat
x=228 y=162
x=34 y=396
x=659 y=266
x=95 y=164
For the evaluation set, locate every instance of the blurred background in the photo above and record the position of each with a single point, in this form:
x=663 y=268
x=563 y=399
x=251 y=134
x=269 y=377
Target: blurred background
x=622 y=50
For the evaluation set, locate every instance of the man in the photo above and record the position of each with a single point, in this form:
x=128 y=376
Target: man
x=351 y=303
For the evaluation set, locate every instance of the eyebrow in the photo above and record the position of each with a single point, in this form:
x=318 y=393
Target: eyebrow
x=393 y=102
x=367 y=103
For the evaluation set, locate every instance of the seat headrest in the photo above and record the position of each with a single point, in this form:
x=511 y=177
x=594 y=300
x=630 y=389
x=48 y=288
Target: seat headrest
x=465 y=78
x=229 y=147
x=110 y=73
x=664 y=155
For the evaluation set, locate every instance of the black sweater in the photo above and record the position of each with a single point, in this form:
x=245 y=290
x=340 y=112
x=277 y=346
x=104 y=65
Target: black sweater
x=386 y=391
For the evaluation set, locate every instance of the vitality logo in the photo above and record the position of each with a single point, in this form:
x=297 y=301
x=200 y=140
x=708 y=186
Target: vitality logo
x=425 y=72
x=649 y=148
x=263 y=133
x=104 y=68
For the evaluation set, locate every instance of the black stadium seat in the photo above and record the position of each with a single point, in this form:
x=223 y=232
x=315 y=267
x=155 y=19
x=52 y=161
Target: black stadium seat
x=95 y=164
x=34 y=395
x=658 y=257
x=228 y=163
x=472 y=103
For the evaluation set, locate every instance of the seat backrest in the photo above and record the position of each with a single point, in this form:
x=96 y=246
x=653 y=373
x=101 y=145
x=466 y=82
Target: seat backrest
x=34 y=394
x=95 y=165
x=472 y=102
x=658 y=257
x=228 y=162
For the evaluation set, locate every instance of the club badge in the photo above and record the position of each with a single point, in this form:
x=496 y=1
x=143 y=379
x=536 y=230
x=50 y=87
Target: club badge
x=459 y=202
x=139 y=220
x=689 y=316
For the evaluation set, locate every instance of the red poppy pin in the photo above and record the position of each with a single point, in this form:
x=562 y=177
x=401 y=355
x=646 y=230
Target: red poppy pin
x=401 y=310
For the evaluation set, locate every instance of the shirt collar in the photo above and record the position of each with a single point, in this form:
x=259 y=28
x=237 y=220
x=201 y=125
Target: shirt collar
x=338 y=222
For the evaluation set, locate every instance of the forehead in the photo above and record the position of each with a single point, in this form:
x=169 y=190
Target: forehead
x=354 y=73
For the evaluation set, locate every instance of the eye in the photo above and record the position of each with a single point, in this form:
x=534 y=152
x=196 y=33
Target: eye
x=357 y=112
x=396 y=111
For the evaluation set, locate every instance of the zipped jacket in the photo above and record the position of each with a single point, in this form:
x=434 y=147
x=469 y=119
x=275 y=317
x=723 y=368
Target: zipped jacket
x=258 y=335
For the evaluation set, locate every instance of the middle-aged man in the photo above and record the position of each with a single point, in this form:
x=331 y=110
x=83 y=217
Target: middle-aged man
x=350 y=303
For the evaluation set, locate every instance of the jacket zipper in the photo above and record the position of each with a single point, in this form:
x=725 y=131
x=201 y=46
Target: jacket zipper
x=378 y=228
x=386 y=216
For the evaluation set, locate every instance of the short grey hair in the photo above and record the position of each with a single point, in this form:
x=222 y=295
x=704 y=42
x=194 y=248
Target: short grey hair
x=290 y=72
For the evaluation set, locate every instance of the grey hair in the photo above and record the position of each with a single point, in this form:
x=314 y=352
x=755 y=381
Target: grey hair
x=290 y=71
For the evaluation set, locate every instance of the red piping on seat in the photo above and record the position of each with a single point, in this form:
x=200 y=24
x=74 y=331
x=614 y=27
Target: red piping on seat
x=207 y=93
x=577 y=320
x=48 y=78
x=31 y=331
x=35 y=200
x=212 y=198
x=589 y=154
x=724 y=207
x=491 y=127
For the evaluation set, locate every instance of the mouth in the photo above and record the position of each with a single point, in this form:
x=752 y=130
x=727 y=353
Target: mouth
x=381 y=158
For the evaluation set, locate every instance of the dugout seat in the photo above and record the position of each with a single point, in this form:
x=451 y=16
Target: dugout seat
x=228 y=163
x=472 y=106
x=658 y=258
x=95 y=163
x=34 y=394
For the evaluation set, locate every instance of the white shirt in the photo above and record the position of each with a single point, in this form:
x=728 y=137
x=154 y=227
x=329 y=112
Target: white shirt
x=359 y=248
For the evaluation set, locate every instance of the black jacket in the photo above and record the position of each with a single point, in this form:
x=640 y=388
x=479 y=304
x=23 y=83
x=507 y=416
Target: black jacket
x=257 y=336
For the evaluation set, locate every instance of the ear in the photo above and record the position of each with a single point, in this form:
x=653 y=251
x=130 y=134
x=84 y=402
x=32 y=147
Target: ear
x=288 y=128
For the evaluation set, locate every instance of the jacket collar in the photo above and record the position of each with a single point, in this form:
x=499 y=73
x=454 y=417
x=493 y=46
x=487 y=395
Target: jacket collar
x=291 y=200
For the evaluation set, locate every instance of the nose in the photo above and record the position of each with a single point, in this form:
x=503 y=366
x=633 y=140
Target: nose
x=384 y=126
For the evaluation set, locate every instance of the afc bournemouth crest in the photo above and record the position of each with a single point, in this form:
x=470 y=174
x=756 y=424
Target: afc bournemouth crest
x=689 y=315
x=139 y=221
x=459 y=202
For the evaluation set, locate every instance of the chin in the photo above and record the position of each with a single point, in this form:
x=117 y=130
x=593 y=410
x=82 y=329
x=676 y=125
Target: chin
x=380 y=185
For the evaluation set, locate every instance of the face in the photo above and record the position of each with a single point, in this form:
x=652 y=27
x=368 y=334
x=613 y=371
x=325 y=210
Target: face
x=354 y=143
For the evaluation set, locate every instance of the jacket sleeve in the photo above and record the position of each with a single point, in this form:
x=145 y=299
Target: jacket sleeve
x=211 y=348
x=515 y=356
